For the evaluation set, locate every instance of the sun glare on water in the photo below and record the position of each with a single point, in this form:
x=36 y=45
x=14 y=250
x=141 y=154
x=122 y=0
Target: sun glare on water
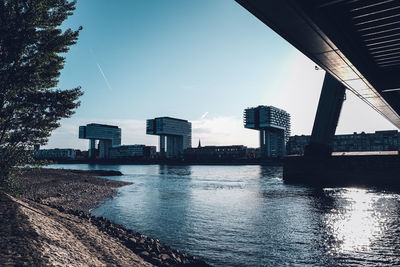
x=354 y=224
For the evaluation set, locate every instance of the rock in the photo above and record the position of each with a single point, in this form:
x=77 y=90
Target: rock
x=165 y=257
x=132 y=241
x=156 y=261
x=144 y=254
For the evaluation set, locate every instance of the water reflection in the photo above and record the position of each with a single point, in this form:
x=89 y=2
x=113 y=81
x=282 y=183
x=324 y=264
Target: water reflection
x=247 y=216
x=175 y=170
x=355 y=223
x=270 y=172
x=103 y=167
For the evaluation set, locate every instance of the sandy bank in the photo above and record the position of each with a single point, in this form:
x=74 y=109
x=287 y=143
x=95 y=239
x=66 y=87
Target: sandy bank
x=71 y=189
x=37 y=235
x=49 y=225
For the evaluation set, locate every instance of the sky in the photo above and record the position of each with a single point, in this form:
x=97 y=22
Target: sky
x=203 y=61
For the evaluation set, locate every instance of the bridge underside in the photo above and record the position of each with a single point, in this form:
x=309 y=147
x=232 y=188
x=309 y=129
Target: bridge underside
x=356 y=41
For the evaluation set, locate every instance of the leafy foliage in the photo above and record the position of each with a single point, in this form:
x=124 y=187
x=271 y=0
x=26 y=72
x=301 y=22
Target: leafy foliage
x=31 y=48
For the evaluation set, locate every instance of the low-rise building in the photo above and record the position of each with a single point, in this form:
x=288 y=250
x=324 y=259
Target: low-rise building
x=297 y=144
x=55 y=154
x=132 y=151
x=216 y=153
x=378 y=141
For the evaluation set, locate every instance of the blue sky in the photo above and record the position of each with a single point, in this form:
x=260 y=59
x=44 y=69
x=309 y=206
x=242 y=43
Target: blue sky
x=204 y=61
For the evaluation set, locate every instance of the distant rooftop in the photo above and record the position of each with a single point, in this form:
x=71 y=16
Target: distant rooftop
x=211 y=147
x=263 y=106
x=361 y=133
x=171 y=119
x=364 y=153
x=102 y=125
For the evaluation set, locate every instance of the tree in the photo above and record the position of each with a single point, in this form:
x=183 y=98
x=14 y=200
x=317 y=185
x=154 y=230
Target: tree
x=31 y=58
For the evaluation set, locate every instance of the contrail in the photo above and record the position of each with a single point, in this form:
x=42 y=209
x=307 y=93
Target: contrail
x=204 y=115
x=104 y=77
x=101 y=70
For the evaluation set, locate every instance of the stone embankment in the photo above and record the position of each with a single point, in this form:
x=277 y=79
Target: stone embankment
x=50 y=225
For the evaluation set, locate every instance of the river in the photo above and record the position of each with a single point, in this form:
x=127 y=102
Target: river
x=247 y=216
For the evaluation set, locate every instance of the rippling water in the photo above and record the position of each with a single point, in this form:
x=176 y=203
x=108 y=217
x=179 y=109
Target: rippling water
x=247 y=216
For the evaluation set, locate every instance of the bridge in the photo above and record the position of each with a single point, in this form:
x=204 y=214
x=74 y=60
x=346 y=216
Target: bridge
x=357 y=43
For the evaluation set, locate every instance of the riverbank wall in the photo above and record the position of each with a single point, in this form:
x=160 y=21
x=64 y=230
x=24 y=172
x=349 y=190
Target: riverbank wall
x=355 y=170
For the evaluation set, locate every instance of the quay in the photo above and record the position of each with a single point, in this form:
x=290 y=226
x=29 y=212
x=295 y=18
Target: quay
x=348 y=170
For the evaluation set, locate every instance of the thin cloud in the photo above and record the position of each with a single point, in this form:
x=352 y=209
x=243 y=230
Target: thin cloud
x=223 y=130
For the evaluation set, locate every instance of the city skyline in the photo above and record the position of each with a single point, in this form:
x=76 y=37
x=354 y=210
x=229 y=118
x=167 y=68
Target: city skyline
x=212 y=59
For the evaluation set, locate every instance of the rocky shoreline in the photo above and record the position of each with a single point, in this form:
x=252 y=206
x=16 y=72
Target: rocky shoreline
x=147 y=248
x=70 y=189
x=74 y=193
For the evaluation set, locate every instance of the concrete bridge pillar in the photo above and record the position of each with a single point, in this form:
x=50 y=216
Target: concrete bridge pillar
x=92 y=148
x=162 y=145
x=262 y=143
x=327 y=117
x=268 y=144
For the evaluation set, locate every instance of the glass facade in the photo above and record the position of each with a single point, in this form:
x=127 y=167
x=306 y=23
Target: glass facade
x=274 y=126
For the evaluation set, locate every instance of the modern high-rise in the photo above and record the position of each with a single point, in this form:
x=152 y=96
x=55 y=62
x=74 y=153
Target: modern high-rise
x=274 y=127
x=108 y=136
x=177 y=132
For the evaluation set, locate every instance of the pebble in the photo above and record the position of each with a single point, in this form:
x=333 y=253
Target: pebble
x=144 y=254
x=165 y=257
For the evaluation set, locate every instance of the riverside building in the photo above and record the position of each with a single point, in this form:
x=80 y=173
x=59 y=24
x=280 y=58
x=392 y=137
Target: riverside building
x=54 y=154
x=274 y=127
x=356 y=142
x=175 y=135
x=108 y=136
x=133 y=151
x=216 y=153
